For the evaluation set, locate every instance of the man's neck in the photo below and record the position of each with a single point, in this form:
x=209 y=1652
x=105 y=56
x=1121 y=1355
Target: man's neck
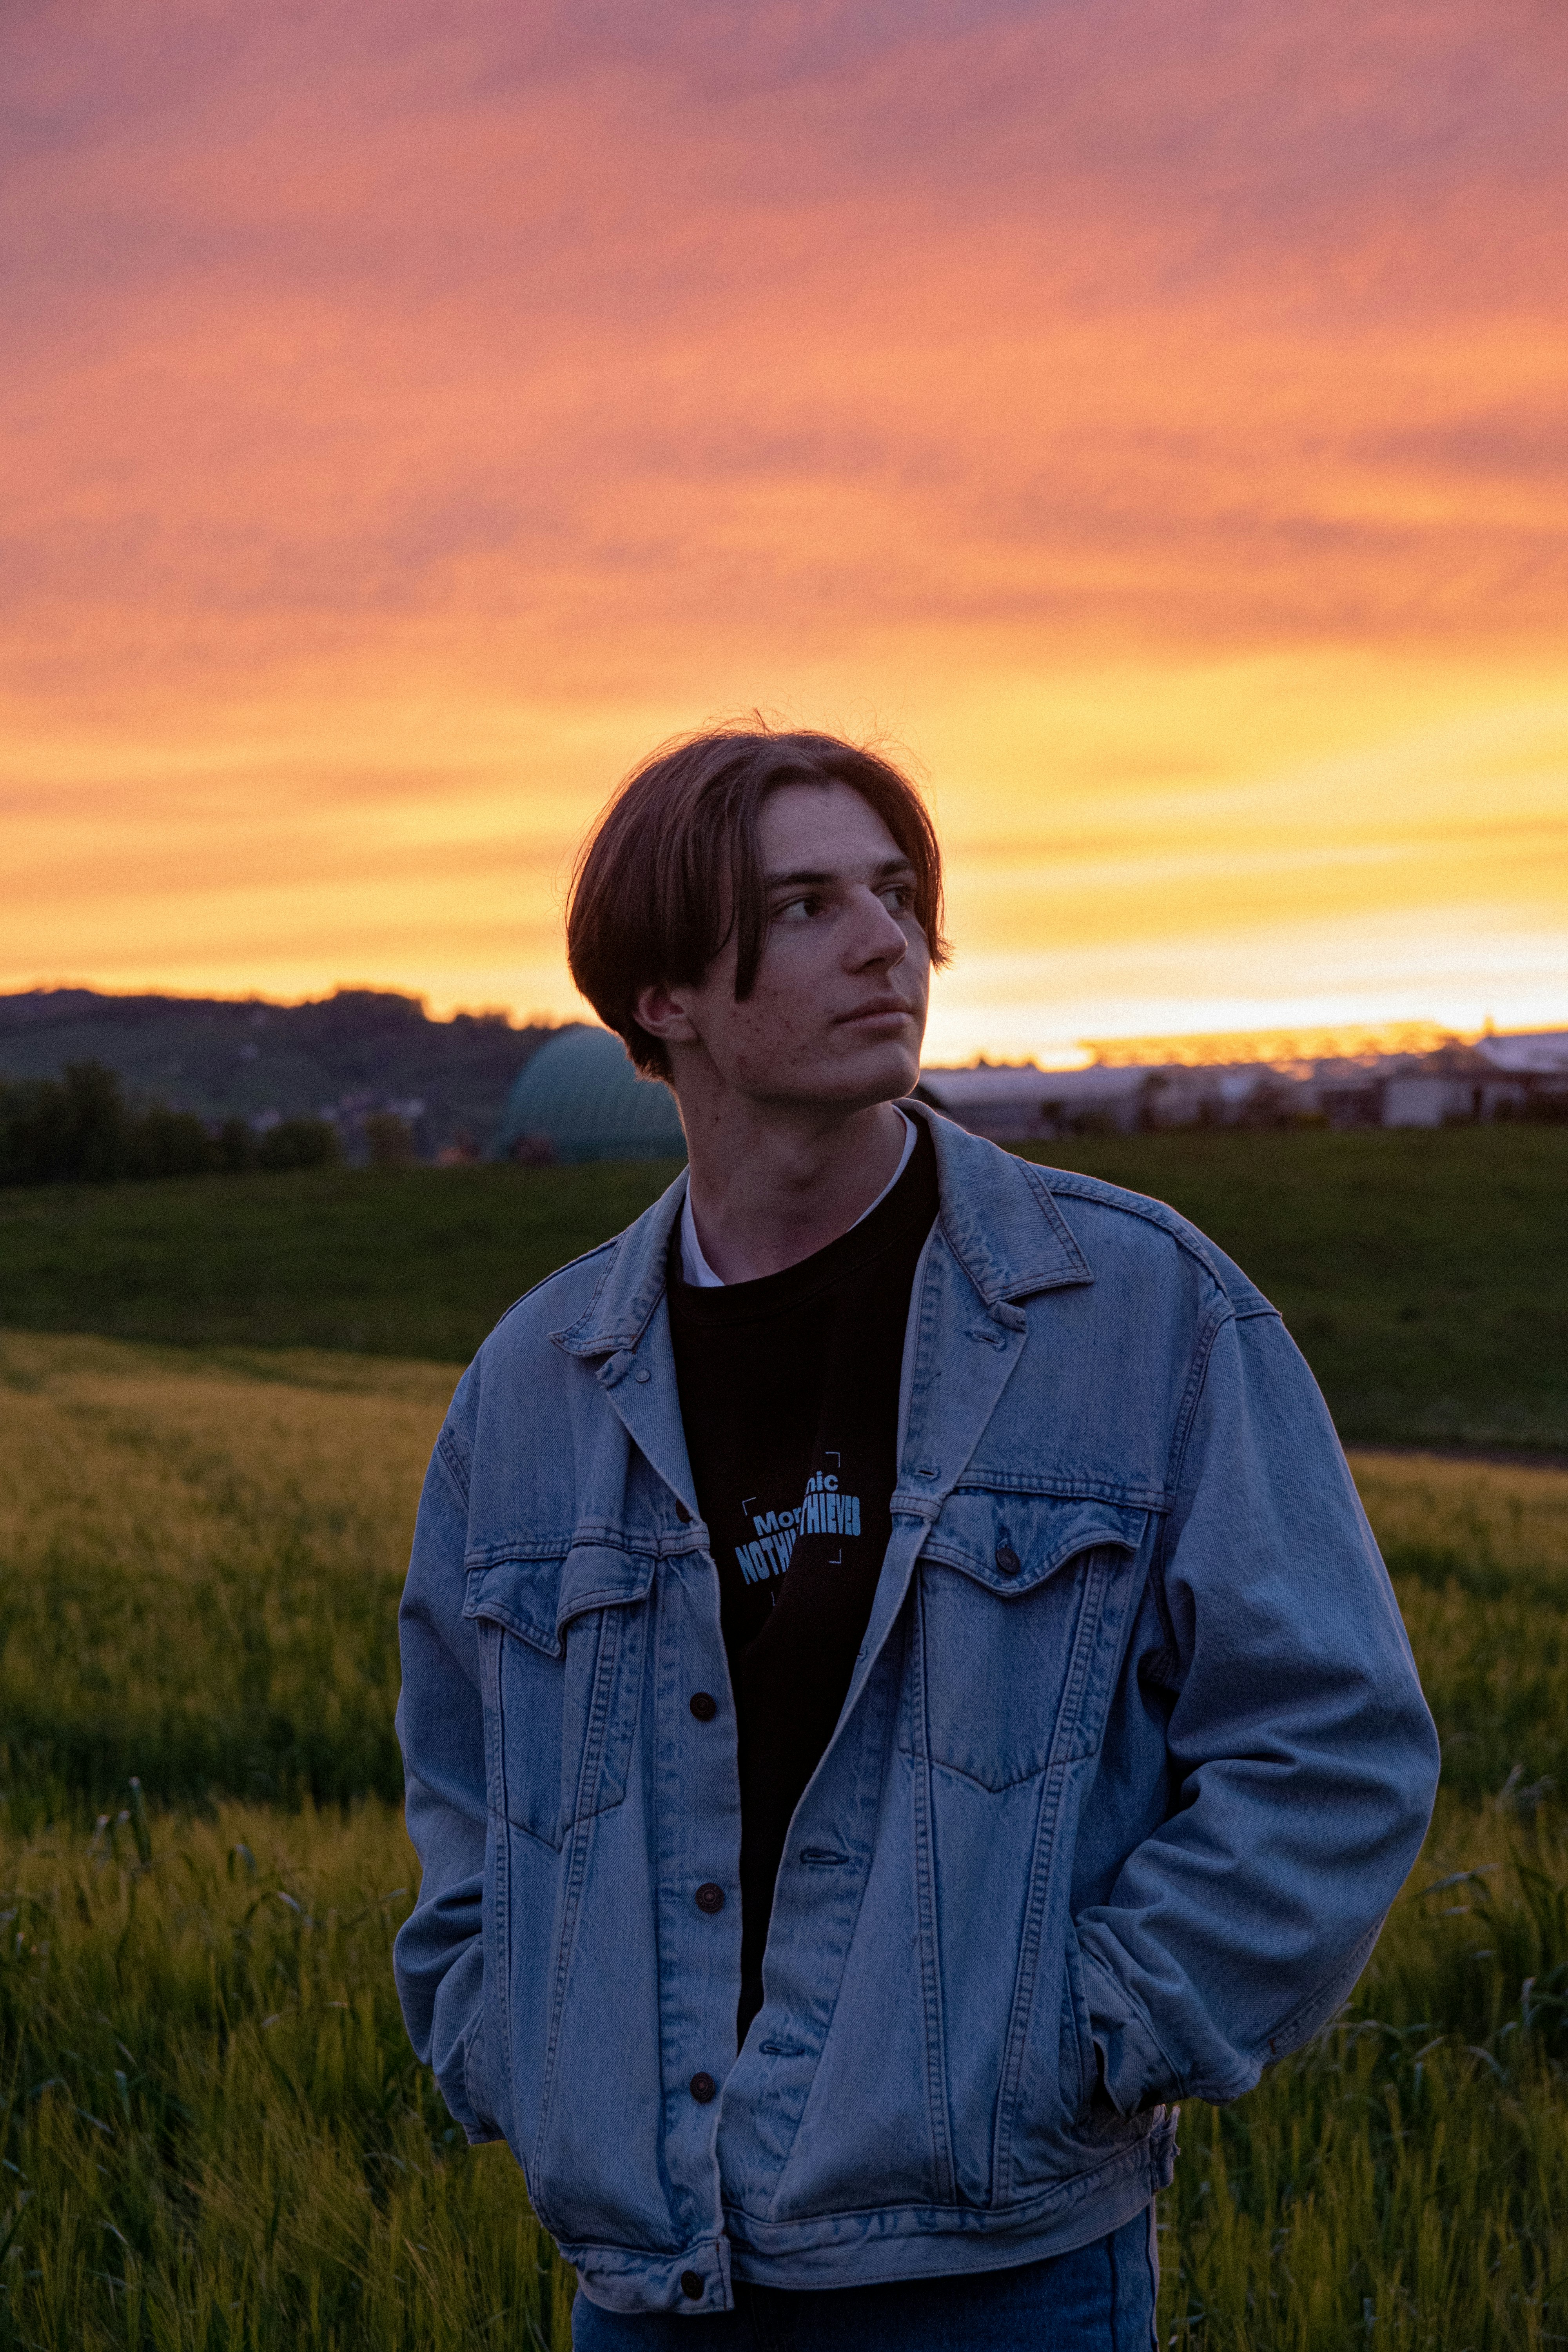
x=772 y=1185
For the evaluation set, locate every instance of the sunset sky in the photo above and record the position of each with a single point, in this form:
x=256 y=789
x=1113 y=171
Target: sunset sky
x=1147 y=417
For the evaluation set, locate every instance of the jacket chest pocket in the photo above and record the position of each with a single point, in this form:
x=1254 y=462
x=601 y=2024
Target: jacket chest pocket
x=562 y=1638
x=1021 y=1601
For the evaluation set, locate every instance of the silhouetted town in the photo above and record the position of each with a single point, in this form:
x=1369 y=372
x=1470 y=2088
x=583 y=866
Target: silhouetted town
x=366 y=1074
x=1522 y=1076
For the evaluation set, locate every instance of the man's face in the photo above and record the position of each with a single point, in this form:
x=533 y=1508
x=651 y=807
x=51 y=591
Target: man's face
x=838 y=1009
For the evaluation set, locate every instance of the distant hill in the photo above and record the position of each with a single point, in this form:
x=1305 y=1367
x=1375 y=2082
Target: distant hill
x=356 y=1051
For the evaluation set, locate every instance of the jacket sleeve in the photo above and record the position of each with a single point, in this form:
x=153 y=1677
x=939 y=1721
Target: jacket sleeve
x=1303 y=1761
x=438 y=1957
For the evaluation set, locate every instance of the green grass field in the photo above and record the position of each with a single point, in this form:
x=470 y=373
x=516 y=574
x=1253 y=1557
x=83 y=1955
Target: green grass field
x=385 y=1261
x=211 y=2131
x=1424 y=1275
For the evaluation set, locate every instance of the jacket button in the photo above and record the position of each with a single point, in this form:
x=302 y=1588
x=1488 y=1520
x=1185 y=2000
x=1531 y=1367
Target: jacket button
x=683 y=1515
x=703 y=2088
x=709 y=1898
x=704 y=1706
x=693 y=2285
x=1008 y=1560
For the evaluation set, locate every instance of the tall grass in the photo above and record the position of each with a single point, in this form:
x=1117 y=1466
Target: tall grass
x=212 y=2132
x=200 y=1560
x=201 y=1565
x=1478 y=1555
x=1404 y=2182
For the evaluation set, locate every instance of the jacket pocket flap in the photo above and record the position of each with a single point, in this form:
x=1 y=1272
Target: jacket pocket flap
x=1012 y=1543
x=537 y=1598
x=601 y=1576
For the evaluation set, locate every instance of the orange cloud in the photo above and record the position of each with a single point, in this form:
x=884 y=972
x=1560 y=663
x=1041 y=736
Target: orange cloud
x=1151 y=414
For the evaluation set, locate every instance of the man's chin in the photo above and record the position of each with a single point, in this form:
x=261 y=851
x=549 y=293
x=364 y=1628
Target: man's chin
x=866 y=1078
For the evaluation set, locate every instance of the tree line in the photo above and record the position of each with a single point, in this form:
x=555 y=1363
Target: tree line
x=80 y=1129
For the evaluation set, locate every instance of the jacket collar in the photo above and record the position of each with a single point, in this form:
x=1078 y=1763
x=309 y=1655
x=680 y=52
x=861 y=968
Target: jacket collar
x=997 y=1215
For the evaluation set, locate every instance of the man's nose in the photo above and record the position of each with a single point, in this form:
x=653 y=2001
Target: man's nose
x=877 y=938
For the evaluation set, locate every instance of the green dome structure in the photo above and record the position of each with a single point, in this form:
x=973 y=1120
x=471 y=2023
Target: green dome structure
x=581 y=1098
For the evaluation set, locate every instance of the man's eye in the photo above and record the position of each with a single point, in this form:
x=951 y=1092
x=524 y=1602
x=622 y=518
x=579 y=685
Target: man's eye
x=799 y=910
x=899 y=898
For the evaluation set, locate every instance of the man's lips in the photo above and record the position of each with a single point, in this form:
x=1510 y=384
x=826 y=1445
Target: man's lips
x=882 y=1011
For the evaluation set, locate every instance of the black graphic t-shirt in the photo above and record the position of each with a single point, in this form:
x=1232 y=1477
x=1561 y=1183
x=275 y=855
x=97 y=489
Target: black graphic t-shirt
x=789 y=1394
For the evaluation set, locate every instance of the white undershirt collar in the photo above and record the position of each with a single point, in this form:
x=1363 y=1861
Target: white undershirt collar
x=695 y=1266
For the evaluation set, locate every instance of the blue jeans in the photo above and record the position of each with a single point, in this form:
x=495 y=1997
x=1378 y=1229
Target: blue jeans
x=1099 y=2298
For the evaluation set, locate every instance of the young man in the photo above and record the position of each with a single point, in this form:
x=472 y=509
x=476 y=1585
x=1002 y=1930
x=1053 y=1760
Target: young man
x=899 y=1688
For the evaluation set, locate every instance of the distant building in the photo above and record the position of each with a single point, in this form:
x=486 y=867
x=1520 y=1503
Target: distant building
x=1527 y=1075
x=1021 y=1104
x=582 y=1098
x=1497 y=1077
x=1523 y=1076
x=1530 y=1053
x=1440 y=1089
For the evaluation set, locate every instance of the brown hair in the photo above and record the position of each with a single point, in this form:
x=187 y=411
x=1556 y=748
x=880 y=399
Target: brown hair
x=677 y=846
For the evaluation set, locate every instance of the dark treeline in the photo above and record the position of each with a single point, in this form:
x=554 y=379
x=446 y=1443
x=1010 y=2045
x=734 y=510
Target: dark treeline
x=366 y=1052
x=80 y=1129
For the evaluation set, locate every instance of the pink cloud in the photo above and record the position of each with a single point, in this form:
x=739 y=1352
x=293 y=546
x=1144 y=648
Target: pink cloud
x=578 y=356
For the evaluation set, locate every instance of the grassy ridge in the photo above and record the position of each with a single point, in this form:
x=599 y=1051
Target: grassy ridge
x=416 y=1263
x=1424 y=1275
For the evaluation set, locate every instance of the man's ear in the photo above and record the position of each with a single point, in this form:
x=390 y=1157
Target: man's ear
x=662 y=1011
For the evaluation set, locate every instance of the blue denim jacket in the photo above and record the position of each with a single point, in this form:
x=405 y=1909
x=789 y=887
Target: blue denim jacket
x=1133 y=1761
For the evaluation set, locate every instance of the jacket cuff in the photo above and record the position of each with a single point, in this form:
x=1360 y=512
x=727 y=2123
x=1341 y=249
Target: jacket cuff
x=1134 y=2072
